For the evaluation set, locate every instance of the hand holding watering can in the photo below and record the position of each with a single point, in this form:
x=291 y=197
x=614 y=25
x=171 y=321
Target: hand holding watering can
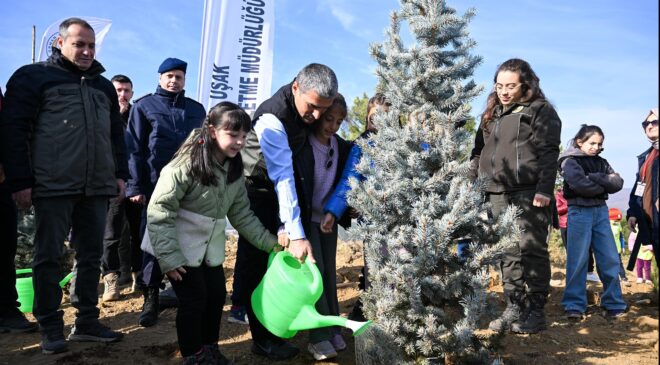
x=299 y=248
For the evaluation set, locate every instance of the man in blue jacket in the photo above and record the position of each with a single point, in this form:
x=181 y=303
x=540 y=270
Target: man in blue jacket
x=158 y=124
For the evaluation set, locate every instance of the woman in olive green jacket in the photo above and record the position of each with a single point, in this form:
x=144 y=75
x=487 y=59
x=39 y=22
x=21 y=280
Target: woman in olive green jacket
x=186 y=226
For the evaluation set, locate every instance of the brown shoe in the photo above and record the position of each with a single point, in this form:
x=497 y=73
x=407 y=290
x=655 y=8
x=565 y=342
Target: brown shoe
x=111 y=291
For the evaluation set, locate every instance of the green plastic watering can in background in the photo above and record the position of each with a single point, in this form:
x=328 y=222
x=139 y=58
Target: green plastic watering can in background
x=25 y=289
x=284 y=302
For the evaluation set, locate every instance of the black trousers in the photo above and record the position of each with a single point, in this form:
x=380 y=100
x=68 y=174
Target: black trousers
x=8 y=242
x=120 y=213
x=251 y=262
x=201 y=296
x=526 y=267
x=53 y=218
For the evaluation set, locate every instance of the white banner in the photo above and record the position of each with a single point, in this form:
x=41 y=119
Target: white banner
x=236 y=57
x=49 y=39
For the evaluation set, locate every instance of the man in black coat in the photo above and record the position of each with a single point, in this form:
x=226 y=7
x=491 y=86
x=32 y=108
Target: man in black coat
x=65 y=154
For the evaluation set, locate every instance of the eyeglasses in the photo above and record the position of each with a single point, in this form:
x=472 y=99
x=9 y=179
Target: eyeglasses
x=652 y=122
x=507 y=87
x=328 y=162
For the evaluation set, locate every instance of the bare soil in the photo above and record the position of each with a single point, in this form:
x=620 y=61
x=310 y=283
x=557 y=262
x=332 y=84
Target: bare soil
x=632 y=339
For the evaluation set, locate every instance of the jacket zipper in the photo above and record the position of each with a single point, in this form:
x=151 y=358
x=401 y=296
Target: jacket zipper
x=517 y=152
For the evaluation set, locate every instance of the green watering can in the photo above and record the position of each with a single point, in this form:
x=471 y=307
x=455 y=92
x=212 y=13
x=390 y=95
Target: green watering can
x=26 y=291
x=284 y=300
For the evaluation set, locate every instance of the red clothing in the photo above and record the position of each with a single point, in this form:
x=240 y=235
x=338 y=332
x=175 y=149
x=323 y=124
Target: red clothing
x=562 y=208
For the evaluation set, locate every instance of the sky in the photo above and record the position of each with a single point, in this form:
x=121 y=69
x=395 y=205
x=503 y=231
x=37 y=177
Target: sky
x=597 y=59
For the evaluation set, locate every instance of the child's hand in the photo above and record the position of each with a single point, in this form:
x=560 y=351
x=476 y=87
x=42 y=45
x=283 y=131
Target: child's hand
x=283 y=239
x=176 y=274
x=300 y=248
x=327 y=223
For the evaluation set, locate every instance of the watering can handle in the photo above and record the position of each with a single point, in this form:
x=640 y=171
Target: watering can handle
x=317 y=281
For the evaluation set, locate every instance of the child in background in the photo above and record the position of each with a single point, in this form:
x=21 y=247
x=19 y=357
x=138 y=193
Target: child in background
x=617 y=232
x=330 y=154
x=644 y=258
x=186 y=226
x=588 y=179
x=337 y=204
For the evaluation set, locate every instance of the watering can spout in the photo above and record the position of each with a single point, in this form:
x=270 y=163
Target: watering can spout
x=309 y=318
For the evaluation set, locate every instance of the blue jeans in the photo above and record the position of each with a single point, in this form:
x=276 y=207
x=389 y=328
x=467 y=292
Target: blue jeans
x=590 y=226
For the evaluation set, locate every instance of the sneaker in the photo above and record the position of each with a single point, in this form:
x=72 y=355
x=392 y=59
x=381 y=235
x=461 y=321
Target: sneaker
x=648 y=282
x=322 y=350
x=338 y=342
x=13 y=321
x=274 y=350
x=625 y=282
x=52 y=343
x=95 y=332
x=111 y=290
x=640 y=280
x=213 y=352
x=202 y=357
x=573 y=315
x=591 y=276
x=238 y=315
x=614 y=313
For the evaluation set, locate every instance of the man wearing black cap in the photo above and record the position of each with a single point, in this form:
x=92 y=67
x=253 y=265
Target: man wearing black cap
x=158 y=124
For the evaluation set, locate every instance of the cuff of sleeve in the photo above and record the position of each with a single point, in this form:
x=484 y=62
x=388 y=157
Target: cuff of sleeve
x=296 y=231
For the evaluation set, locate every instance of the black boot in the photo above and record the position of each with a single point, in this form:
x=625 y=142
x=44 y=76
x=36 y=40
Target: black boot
x=535 y=319
x=149 y=315
x=515 y=306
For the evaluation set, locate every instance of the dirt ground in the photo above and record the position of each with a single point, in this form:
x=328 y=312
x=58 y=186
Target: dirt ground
x=632 y=339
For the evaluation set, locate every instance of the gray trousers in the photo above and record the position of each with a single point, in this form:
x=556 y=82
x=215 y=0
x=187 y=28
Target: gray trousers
x=528 y=263
x=85 y=216
x=324 y=247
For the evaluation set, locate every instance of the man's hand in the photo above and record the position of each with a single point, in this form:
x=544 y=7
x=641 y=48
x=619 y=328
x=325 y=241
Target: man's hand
x=23 y=198
x=176 y=274
x=301 y=248
x=632 y=224
x=121 y=186
x=123 y=106
x=541 y=200
x=138 y=199
x=327 y=223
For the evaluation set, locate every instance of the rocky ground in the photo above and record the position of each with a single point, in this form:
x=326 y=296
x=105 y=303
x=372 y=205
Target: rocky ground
x=632 y=339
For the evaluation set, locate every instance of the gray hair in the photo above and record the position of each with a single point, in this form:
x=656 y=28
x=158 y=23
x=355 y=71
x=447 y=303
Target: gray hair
x=64 y=26
x=319 y=78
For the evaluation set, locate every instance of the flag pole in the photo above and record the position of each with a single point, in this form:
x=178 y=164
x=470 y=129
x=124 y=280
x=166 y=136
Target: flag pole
x=34 y=31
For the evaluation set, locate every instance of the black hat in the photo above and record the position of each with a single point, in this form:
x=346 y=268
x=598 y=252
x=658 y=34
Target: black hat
x=172 y=64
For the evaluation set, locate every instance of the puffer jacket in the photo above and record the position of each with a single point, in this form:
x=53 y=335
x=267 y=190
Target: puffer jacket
x=61 y=130
x=186 y=220
x=158 y=124
x=521 y=146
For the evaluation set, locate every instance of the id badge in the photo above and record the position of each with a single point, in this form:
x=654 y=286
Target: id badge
x=639 y=190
